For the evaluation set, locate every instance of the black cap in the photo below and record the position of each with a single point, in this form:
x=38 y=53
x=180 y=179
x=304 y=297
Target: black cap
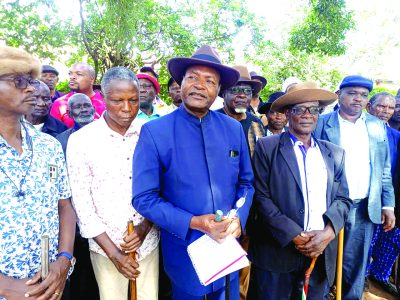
x=49 y=69
x=149 y=69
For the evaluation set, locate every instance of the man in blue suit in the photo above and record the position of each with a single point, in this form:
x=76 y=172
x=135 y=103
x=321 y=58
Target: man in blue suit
x=364 y=139
x=187 y=165
x=385 y=245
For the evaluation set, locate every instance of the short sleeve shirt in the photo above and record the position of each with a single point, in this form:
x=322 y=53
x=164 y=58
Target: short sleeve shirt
x=24 y=219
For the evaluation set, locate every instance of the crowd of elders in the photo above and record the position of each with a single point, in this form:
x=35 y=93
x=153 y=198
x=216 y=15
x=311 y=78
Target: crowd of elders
x=77 y=167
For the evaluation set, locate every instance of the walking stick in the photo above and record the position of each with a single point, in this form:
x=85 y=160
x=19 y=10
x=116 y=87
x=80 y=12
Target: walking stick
x=339 y=266
x=132 y=283
x=44 y=256
x=307 y=279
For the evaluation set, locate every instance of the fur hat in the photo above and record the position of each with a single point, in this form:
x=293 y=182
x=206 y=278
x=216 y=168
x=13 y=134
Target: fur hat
x=17 y=61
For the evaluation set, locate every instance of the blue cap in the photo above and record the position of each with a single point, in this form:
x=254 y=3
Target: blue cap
x=357 y=80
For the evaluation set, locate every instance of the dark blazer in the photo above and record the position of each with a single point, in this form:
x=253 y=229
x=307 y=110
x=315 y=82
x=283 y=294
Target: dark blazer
x=53 y=126
x=279 y=204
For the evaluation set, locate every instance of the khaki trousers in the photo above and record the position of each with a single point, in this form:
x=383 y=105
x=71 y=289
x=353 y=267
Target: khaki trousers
x=114 y=286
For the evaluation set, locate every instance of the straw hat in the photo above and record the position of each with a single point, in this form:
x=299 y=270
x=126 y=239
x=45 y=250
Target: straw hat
x=304 y=92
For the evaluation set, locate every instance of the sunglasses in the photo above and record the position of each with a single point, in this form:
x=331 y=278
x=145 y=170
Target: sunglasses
x=22 y=82
x=301 y=110
x=236 y=90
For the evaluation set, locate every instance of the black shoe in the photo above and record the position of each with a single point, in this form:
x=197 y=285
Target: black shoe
x=386 y=286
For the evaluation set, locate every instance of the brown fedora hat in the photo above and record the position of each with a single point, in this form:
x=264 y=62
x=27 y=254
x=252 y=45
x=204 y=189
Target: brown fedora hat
x=245 y=77
x=254 y=75
x=204 y=56
x=307 y=91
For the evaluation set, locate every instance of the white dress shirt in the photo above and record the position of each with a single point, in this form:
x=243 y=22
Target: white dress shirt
x=354 y=140
x=100 y=170
x=314 y=179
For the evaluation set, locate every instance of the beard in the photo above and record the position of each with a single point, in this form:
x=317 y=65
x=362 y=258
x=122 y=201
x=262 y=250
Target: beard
x=240 y=110
x=84 y=120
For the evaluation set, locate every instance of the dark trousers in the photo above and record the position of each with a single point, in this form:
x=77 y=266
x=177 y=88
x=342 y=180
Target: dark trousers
x=267 y=285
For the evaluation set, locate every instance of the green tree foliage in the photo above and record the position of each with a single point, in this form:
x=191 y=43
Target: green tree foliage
x=323 y=30
x=34 y=25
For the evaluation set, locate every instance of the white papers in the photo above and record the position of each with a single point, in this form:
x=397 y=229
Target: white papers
x=212 y=260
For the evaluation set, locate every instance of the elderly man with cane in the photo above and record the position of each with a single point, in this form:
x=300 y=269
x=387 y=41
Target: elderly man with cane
x=99 y=164
x=301 y=202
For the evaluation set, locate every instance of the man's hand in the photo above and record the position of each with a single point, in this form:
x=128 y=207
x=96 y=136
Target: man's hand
x=53 y=286
x=125 y=265
x=135 y=240
x=234 y=228
x=14 y=289
x=218 y=231
x=318 y=242
x=388 y=219
x=301 y=239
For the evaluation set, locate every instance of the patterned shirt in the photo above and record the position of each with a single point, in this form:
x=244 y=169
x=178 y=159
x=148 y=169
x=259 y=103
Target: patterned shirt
x=24 y=219
x=100 y=169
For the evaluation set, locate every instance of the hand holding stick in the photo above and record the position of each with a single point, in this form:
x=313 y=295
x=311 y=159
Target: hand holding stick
x=132 y=283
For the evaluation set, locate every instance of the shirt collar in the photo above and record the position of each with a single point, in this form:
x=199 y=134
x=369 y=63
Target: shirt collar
x=154 y=114
x=361 y=118
x=296 y=142
x=134 y=128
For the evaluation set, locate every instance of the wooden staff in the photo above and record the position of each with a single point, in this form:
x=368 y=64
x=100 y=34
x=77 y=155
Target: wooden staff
x=339 y=266
x=132 y=283
x=44 y=256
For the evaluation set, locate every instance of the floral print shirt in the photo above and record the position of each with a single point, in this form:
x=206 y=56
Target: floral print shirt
x=31 y=184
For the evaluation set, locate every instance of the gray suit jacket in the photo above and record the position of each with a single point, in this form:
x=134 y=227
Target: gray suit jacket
x=381 y=188
x=279 y=204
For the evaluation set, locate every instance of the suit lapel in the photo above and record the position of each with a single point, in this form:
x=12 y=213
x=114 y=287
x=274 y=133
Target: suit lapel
x=371 y=128
x=330 y=165
x=287 y=151
x=333 y=129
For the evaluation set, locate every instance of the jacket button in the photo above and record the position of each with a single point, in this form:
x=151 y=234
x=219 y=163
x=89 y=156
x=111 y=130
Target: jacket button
x=301 y=211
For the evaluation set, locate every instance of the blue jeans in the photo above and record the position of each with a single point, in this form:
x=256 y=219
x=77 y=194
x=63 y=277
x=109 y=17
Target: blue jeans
x=357 y=240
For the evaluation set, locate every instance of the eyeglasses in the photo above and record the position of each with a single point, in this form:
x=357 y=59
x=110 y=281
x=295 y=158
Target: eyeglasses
x=236 y=90
x=301 y=110
x=22 y=82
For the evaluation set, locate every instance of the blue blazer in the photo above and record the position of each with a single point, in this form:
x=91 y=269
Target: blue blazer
x=381 y=188
x=184 y=166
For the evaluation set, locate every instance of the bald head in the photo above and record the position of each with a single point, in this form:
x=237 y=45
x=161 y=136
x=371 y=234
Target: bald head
x=81 y=109
x=81 y=78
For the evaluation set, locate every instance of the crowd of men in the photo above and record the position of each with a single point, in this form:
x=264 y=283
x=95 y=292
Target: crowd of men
x=78 y=167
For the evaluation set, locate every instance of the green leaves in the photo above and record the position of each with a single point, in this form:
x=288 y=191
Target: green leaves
x=323 y=30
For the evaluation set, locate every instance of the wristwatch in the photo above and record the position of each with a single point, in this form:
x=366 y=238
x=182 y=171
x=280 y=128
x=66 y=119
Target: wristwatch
x=70 y=257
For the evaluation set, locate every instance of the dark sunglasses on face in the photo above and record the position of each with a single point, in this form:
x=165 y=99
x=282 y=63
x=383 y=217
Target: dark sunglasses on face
x=236 y=90
x=301 y=110
x=22 y=82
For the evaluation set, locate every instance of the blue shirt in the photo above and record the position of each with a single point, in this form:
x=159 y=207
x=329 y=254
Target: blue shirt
x=24 y=219
x=184 y=166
